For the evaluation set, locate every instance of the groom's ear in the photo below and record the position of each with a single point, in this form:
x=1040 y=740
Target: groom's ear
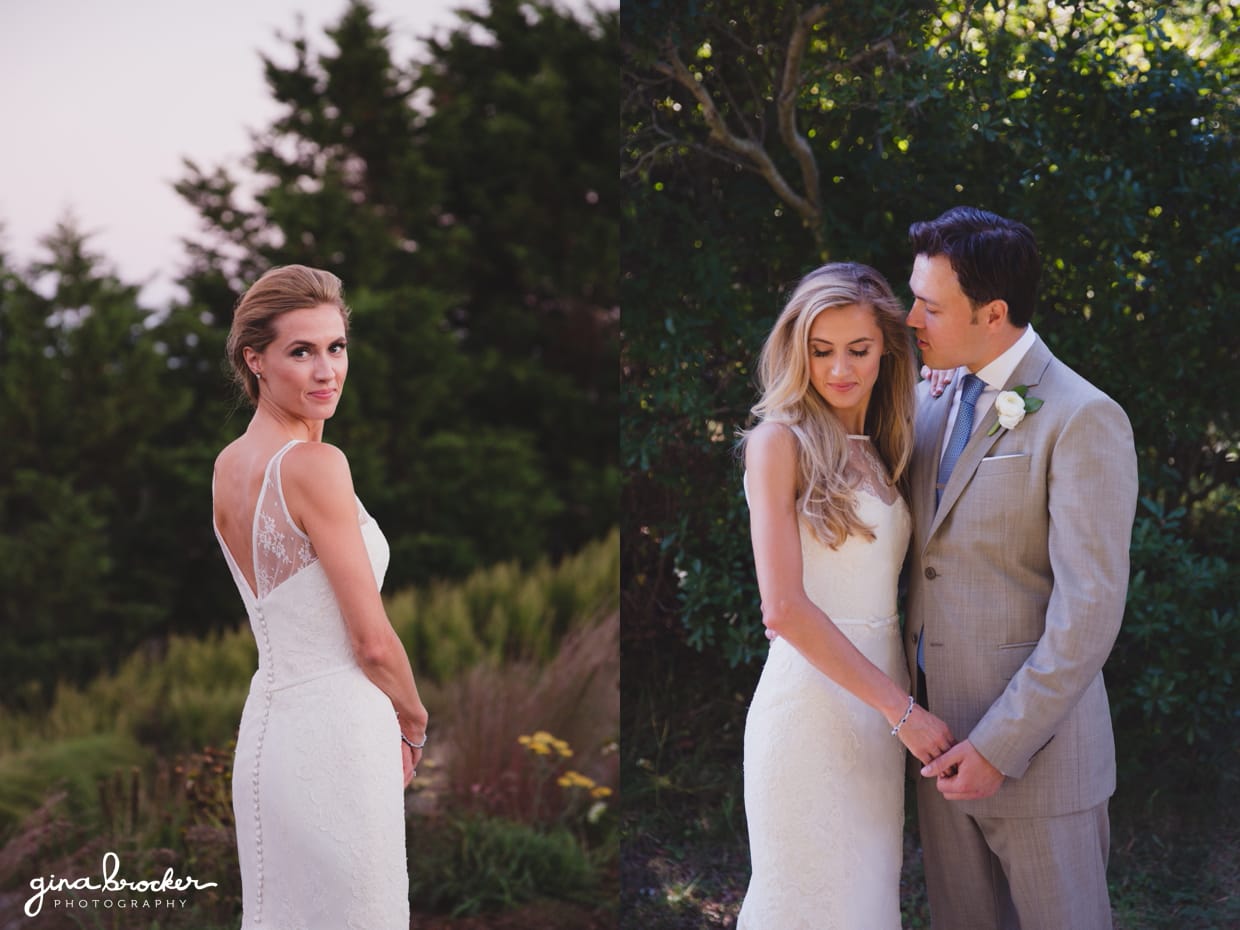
x=994 y=314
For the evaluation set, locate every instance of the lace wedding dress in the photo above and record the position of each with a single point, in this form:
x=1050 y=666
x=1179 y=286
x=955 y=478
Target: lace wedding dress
x=317 y=778
x=824 y=777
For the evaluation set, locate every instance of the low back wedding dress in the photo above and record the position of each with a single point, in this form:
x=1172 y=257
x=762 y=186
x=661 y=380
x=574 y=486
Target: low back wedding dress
x=317 y=780
x=824 y=777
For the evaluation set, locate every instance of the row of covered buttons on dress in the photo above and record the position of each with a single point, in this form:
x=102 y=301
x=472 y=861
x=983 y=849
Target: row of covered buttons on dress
x=262 y=731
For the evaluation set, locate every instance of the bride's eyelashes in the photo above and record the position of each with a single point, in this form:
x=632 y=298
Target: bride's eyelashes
x=336 y=348
x=855 y=353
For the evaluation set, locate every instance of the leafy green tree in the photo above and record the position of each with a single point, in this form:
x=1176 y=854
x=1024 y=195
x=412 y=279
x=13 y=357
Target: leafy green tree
x=760 y=139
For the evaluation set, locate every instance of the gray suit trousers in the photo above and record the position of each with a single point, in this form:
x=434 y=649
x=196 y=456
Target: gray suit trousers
x=1009 y=873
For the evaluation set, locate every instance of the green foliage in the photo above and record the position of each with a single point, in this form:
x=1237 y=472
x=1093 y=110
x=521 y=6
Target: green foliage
x=172 y=814
x=1173 y=675
x=462 y=200
x=1108 y=127
x=466 y=198
x=87 y=397
x=190 y=694
x=471 y=864
x=505 y=612
x=78 y=764
x=105 y=765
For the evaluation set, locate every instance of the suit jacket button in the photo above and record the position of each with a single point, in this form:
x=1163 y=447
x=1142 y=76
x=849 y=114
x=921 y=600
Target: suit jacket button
x=931 y=573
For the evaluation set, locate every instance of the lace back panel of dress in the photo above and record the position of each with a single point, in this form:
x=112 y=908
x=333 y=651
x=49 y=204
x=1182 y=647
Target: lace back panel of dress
x=281 y=550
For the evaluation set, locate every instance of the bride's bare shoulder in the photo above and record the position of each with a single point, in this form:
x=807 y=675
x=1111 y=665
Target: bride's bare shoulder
x=228 y=456
x=317 y=468
x=768 y=441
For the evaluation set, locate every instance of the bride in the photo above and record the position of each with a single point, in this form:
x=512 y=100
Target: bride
x=333 y=714
x=824 y=765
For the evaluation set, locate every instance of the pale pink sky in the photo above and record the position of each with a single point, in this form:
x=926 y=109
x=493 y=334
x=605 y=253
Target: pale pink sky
x=100 y=101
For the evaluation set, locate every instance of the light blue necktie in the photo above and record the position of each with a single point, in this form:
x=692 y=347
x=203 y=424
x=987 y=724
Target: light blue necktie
x=970 y=391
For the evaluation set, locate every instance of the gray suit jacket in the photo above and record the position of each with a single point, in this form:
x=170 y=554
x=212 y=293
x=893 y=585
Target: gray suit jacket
x=1018 y=582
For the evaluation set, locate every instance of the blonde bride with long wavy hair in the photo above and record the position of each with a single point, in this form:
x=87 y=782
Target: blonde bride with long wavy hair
x=825 y=494
x=833 y=710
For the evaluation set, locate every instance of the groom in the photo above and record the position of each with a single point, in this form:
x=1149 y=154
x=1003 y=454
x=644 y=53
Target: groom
x=1023 y=506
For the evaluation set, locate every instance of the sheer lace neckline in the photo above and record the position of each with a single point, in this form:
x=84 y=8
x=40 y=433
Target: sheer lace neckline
x=866 y=472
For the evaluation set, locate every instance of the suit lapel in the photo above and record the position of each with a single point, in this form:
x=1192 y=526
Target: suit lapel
x=928 y=443
x=1028 y=372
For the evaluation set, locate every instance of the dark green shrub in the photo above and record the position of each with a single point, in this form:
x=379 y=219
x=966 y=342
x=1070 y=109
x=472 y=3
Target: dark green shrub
x=1173 y=674
x=475 y=864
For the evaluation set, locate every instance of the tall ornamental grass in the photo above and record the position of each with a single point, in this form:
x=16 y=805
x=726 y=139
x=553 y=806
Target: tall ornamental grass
x=189 y=694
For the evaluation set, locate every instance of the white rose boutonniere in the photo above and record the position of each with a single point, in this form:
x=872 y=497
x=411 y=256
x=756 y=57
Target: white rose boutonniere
x=1012 y=406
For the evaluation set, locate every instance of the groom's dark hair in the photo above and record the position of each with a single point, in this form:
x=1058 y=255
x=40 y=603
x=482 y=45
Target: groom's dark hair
x=994 y=258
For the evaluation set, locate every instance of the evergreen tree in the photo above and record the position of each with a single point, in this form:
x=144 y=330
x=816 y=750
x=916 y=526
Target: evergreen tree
x=84 y=569
x=476 y=245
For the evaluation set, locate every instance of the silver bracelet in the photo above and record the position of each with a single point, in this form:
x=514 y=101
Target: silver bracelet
x=412 y=745
x=912 y=702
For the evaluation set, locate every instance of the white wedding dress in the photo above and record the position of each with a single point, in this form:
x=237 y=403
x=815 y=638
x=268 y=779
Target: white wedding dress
x=824 y=777
x=317 y=779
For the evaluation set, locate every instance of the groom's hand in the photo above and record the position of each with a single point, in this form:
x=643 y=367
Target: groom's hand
x=964 y=774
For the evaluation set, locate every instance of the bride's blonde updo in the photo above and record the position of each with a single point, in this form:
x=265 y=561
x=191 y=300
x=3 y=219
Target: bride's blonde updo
x=824 y=494
x=279 y=290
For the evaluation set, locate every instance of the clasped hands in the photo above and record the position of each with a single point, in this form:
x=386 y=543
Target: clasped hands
x=962 y=773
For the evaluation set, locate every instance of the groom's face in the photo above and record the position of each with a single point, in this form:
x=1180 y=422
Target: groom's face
x=946 y=324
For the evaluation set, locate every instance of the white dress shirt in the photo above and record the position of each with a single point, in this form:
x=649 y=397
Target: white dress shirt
x=994 y=375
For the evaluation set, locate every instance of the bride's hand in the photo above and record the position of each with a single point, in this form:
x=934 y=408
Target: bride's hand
x=410 y=757
x=939 y=380
x=925 y=735
x=406 y=758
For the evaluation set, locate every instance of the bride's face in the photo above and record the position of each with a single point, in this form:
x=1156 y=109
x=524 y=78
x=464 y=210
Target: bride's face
x=845 y=349
x=302 y=370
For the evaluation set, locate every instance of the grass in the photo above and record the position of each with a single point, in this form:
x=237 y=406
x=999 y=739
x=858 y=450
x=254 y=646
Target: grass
x=575 y=697
x=506 y=613
x=684 y=854
x=1175 y=859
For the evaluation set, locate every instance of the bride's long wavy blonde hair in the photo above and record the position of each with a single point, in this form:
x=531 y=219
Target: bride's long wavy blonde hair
x=824 y=494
